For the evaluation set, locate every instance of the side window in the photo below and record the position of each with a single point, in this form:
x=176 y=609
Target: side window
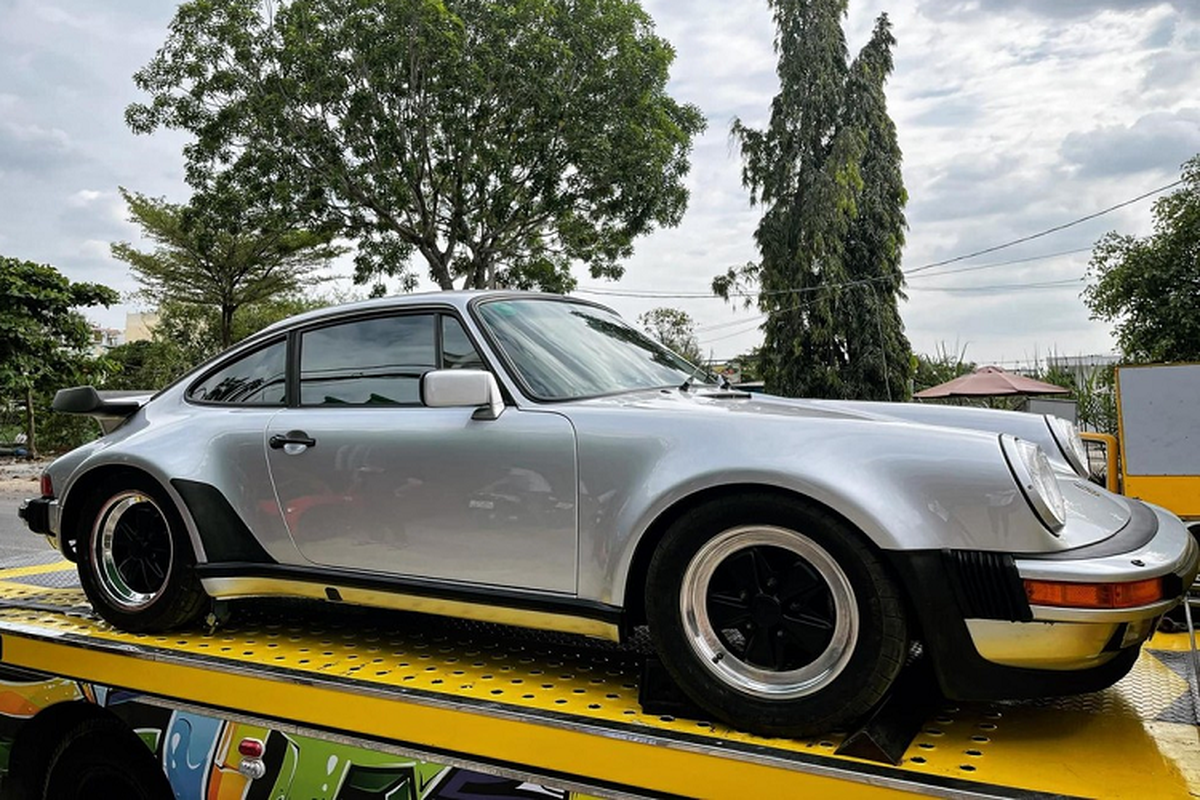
x=367 y=362
x=457 y=351
x=256 y=379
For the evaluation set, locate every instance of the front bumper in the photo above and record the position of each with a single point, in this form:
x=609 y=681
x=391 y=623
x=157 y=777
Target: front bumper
x=1058 y=638
x=987 y=642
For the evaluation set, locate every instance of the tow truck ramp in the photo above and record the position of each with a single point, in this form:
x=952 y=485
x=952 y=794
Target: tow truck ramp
x=436 y=701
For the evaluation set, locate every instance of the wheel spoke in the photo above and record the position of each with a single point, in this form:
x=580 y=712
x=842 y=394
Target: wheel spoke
x=124 y=568
x=811 y=633
x=743 y=568
x=156 y=570
x=767 y=577
x=799 y=583
x=727 y=612
x=759 y=650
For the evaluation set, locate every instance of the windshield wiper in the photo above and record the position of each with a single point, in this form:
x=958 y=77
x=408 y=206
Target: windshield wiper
x=721 y=382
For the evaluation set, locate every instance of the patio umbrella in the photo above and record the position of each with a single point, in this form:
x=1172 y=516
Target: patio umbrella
x=990 y=382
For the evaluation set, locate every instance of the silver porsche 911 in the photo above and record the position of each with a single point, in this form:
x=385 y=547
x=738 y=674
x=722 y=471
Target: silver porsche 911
x=534 y=460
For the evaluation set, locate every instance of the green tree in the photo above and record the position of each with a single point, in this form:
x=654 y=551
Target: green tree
x=941 y=366
x=1149 y=287
x=187 y=334
x=221 y=252
x=674 y=328
x=499 y=141
x=878 y=355
x=44 y=340
x=826 y=169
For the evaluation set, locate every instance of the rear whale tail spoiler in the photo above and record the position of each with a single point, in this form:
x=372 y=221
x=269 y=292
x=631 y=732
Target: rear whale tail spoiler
x=111 y=408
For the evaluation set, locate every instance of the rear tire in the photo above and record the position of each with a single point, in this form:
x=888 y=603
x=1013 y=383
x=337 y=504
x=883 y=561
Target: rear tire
x=103 y=758
x=774 y=615
x=136 y=564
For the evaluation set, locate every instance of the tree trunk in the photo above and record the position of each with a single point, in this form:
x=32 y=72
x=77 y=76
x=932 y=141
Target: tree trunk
x=30 y=428
x=227 y=325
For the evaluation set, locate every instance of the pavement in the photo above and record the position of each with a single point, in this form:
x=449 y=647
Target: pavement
x=19 y=547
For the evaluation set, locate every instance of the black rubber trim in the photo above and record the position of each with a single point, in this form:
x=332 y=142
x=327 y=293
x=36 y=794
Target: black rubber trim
x=36 y=514
x=962 y=673
x=987 y=585
x=417 y=587
x=224 y=535
x=1133 y=535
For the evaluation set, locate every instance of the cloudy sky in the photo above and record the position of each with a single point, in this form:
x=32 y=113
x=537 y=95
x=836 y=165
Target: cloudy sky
x=1015 y=116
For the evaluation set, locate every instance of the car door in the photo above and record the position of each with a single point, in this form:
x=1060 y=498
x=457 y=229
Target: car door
x=370 y=480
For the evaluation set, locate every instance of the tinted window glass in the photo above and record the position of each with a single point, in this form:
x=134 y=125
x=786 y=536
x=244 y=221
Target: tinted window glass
x=368 y=362
x=254 y=379
x=457 y=350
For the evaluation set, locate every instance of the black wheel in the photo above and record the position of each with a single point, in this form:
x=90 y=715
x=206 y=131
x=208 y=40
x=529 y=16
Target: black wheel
x=135 y=561
x=774 y=616
x=103 y=758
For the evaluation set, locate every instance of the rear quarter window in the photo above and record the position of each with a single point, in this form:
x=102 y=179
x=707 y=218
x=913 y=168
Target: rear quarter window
x=257 y=379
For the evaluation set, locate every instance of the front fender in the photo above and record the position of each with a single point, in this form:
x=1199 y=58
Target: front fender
x=904 y=486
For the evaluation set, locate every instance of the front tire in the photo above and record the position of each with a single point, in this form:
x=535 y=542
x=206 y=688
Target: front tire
x=137 y=565
x=774 y=615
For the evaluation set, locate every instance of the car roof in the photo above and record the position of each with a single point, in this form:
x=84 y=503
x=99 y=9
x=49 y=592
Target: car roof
x=458 y=299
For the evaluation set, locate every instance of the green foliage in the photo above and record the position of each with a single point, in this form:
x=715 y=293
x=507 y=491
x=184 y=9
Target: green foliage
x=500 y=141
x=44 y=341
x=146 y=364
x=186 y=335
x=674 y=328
x=221 y=252
x=942 y=366
x=1096 y=400
x=1150 y=287
x=827 y=171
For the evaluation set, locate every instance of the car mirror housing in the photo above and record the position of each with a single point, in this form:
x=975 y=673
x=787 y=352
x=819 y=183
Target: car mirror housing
x=462 y=388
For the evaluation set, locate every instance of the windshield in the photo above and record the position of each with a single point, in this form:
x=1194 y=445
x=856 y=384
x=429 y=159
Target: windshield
x=566 y=351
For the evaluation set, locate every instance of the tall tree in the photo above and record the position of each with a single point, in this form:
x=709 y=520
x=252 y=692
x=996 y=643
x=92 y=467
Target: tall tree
x=1149 y=287
x=221 y=252
x=500 y=141
x=878 y=356
x=44 y=340
x=826 y=171
x=674 y=328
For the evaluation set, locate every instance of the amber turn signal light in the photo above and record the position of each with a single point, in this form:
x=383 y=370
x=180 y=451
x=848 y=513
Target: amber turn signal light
x=1094 y=595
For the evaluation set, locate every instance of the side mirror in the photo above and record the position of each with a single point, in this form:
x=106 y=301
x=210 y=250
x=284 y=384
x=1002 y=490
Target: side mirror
x=463 y=388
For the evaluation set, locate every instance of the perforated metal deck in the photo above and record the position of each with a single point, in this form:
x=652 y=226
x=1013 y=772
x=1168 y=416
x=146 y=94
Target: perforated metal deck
x=566 y=707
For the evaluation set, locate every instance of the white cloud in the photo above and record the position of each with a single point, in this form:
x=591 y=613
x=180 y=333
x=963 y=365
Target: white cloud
x=84 y=197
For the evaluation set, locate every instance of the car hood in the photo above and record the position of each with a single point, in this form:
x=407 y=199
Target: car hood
x=728 y=420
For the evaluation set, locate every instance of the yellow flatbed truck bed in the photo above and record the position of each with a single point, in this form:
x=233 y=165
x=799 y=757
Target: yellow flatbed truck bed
x=564 y=711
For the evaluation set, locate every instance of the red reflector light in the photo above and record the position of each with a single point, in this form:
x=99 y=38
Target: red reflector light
x=47 y=485
x=1094 y=595
x=251 y=748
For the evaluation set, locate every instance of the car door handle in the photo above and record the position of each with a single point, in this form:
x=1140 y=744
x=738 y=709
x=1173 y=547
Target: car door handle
x=281 y=440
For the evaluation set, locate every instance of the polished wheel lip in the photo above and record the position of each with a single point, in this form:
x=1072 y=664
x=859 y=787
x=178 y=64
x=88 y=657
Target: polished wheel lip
x=727 y=667
x=105 y=537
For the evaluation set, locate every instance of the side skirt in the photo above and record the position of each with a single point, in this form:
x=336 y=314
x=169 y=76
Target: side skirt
x=567 y=615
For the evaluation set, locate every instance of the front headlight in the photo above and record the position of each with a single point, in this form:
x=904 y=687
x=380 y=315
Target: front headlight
x=1036 y=478
x=1067 y=437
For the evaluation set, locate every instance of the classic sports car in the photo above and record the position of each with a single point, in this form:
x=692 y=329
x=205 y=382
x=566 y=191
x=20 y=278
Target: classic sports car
x=534 y=460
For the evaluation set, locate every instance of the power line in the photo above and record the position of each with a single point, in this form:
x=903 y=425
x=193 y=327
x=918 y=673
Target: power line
x=652 y=294
x=1007 y=287
x=1048 y=231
